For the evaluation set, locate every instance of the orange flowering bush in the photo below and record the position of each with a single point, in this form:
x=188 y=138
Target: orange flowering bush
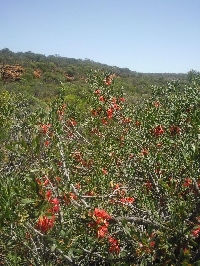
x=119 y=187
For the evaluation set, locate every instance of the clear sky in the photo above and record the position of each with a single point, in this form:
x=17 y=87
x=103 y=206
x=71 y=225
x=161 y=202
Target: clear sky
x=142 y=35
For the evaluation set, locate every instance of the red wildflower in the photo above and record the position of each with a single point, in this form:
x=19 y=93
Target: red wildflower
x=73 y=196
x=152 y=244
x=97 y=91
x=145 y=152
x=127 y=200
x=68 y=197
x=188 y=182
x=45 y=128
x=102 y=231
x=116 y=106
x=122 y=99
x=109 y=113
x=156 y=104
x=126 y=120
x=114 y=245
x=101 y=98
x=58 y=179
x=118 y=185
x=104 y=121
x=158 y=145
x=71 y=122
x=196 y=232
x=56 y=205
x=77 y=156
x=137 y=123
x=44 y=223
x=90 y=193
x=158 y=131
x=94 y=112
x=48 y=194
x=39 y=182
x=46 y=181
x=46 y=143
x=100 y=213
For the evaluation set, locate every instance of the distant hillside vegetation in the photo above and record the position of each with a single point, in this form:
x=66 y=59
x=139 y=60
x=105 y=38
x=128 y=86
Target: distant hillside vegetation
x=40 y=75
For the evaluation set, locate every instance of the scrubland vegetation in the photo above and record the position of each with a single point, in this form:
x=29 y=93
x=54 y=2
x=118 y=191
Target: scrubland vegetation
x=94 y=173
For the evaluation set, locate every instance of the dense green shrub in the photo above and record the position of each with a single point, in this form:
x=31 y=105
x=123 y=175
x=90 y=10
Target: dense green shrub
x=120 y=186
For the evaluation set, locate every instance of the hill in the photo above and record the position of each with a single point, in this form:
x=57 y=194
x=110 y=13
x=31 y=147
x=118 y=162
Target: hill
x=40 y=75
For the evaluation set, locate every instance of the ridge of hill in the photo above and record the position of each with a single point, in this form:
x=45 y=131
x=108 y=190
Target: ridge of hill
x=40 y=75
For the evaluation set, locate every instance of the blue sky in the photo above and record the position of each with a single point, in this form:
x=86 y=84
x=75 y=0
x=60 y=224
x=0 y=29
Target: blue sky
x=142 y=35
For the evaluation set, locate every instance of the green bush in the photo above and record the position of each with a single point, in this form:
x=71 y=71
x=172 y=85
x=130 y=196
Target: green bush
x=119 y=187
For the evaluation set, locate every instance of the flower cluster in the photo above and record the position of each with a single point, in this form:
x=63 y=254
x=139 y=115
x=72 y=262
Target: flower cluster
x=101 y=223
x=114 y=245
x=45 y=128
x=44 y=223
x=196 y=231
x=158 y=131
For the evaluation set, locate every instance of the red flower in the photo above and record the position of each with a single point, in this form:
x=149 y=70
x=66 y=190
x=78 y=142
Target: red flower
x=137 y=123
x=196 y=232
x=157 y=104
x=158 y=131
x=152 y=244
x=44 y=223
x=71 y=122
x=68 y=197
x=188 y=182
x=116 y=106
x=60 y=114
x=94 y=112
x=122 y=99
x=104 y=121
x=109 y=113
x=126 y=120
x=102 y=231
x=46 y=181
x=145 y=152
x=48 y=194
x=56 y=205
x=101 y=98
x=46 y=143
x=45 y=128
x=97 y=92
x=73 y=196
x=127 y=200
x=100 y=213
x=114 y=245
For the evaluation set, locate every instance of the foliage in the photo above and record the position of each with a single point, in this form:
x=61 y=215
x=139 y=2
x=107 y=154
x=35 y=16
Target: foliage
x=42 y=75
x=118 y=185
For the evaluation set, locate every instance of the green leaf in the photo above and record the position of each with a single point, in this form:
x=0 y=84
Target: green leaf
x=26 y=201
x=62 y=233
x=53 y=247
